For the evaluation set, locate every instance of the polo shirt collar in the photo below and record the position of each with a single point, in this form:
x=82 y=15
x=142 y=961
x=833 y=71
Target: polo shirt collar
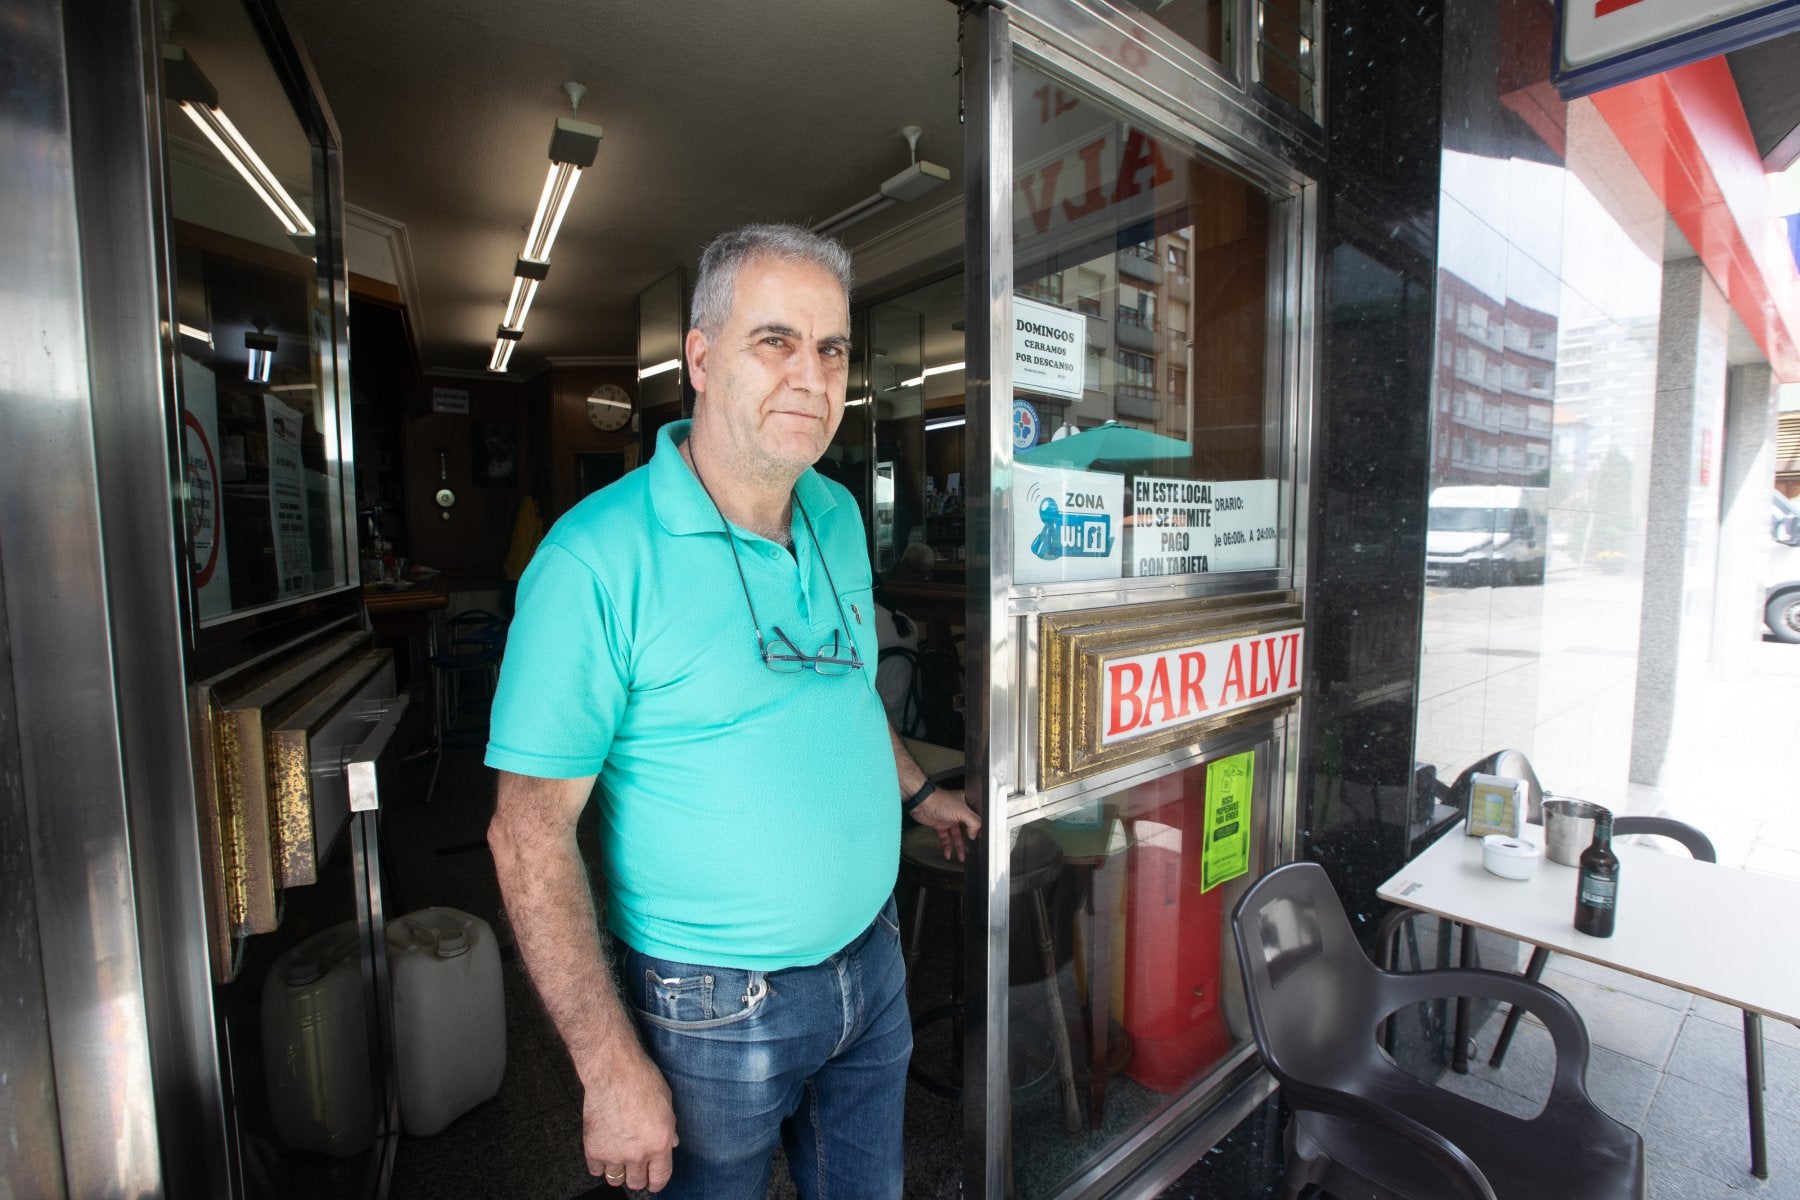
x=682 y=505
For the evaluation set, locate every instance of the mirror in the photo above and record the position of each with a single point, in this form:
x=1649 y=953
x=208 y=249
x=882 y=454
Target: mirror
x=661 y=327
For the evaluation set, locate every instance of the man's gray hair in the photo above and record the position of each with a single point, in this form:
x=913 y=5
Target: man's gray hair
x=720 y=261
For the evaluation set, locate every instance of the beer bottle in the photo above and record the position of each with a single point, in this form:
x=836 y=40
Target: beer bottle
x=1597 y=894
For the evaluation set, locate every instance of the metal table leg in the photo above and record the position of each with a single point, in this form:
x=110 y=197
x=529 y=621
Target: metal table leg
x=1459 y=1054
x=1753 y=1079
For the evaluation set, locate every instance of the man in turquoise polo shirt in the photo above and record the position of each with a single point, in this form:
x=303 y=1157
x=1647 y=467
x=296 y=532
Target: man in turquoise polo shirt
x=700 y=638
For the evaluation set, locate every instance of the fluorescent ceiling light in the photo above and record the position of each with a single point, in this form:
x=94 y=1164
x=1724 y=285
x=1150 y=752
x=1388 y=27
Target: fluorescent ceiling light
x=559 y=189
x=293 y=387
x=914 y=181
x=668 y=364
x=261 y=350
x=199 y=335
x=519 y=303
x=943 y=423
x=928 y=372
x=572 y=147
x=858 y=402
x=902 y=186
x=504 y=342
x=527 y=275
x=188 y=87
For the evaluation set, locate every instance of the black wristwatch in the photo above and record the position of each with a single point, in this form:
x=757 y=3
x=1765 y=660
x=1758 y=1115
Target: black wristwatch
x=917 y=798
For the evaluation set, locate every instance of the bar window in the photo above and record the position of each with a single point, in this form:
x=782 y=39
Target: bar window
x=1148 y=426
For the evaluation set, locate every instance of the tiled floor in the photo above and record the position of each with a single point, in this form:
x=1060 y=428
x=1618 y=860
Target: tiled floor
x=1665 y=1063
x=1669 y=1065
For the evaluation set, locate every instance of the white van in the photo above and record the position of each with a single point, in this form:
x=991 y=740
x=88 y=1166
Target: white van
x=1494 y=535
x=1781 y=597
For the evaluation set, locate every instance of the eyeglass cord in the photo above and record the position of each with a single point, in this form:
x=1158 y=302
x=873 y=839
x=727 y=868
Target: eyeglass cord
x=762 y=647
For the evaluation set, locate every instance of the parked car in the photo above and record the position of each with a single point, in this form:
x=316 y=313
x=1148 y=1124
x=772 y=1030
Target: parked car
x=1781 y=608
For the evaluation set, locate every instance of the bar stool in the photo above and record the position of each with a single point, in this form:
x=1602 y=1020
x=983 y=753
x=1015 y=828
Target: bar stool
x=477 y=640
x=1037 y=862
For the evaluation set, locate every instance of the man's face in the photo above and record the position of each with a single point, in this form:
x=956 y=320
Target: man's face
x=772 y=382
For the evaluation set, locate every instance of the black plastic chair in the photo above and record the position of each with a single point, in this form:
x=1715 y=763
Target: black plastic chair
x=1701 y=847
x=477 y=641
x=1511 y=764
x=1364 y=1127
x=939 y=678
x=897 y=664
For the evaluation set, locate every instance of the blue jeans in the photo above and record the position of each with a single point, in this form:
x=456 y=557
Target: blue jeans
x=815 y=1056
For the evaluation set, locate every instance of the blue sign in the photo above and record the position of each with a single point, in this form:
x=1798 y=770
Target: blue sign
x=1025 y=425
x=1071 y=535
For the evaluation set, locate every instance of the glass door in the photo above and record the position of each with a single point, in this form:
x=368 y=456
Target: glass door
x=1137 y=398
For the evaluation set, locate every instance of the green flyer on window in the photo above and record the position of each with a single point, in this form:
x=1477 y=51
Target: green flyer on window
x=1227 y=852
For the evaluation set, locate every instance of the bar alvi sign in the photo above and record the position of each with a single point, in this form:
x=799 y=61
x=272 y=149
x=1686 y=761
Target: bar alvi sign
x=1117 y=685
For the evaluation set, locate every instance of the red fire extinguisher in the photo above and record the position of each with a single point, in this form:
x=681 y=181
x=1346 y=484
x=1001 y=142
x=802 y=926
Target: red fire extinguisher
x=1173 y=936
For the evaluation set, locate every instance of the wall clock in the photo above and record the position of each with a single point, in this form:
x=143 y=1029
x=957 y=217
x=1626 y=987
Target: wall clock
x=609 y=407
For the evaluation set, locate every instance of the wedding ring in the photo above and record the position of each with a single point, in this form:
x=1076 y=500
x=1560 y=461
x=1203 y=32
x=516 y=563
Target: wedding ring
x=615 y=1179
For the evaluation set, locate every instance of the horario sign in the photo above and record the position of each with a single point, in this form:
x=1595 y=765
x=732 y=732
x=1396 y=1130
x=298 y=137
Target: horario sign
x=1117 y=686
x=1601 y=43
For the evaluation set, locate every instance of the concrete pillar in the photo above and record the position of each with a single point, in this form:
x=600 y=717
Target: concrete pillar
x=1745 y=478
x=1681 y=533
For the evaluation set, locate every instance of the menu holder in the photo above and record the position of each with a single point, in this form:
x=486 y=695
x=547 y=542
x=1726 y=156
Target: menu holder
x=1496 y=806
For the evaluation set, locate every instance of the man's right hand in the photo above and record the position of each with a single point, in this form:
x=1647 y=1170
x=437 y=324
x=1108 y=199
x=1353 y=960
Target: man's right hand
x=628 y=1126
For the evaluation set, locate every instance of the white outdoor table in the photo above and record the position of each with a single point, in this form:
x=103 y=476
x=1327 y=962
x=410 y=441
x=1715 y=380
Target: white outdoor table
x=1709 y=930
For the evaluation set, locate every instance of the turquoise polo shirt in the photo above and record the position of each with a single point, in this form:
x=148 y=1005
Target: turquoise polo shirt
x=748 y=818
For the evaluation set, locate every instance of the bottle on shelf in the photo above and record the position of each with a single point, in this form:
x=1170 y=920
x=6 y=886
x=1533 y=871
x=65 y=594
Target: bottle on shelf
x=1597 y=893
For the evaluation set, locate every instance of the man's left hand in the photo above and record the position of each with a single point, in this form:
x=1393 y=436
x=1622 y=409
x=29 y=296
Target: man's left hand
x=946 y=811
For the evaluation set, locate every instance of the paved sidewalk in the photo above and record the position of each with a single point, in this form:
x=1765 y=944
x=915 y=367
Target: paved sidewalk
x=1666 y=1063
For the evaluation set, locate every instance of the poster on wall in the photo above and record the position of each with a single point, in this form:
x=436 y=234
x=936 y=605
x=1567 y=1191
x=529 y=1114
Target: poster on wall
x=1049 y=349
x=1229 y=783
x=205 y=496
x=287 y=497
x=1190 y=527
x=1066 y=524
x=494 y=454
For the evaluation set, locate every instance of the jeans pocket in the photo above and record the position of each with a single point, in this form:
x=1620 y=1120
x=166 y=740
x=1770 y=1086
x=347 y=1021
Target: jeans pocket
x=890 y=915
x=687 y=996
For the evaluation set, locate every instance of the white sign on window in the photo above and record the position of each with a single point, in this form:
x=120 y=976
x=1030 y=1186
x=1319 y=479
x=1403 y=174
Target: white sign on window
x=1146 y=693
x=1191 y=527
x=287 y=497
x=1607 y=42
x=1066 y=524
x=1049 y=349
x=205 y=492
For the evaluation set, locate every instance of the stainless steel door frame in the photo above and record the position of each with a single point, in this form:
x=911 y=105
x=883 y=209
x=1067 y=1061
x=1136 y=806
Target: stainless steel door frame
x=377 y=757
x=1284 y=153
x=91 y=598
x=991 y=718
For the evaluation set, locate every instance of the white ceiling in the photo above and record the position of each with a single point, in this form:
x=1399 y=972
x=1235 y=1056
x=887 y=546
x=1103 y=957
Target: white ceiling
x=715 y=113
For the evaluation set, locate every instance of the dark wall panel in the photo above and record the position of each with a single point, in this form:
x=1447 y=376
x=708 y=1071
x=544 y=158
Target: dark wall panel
x=1372 y=436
